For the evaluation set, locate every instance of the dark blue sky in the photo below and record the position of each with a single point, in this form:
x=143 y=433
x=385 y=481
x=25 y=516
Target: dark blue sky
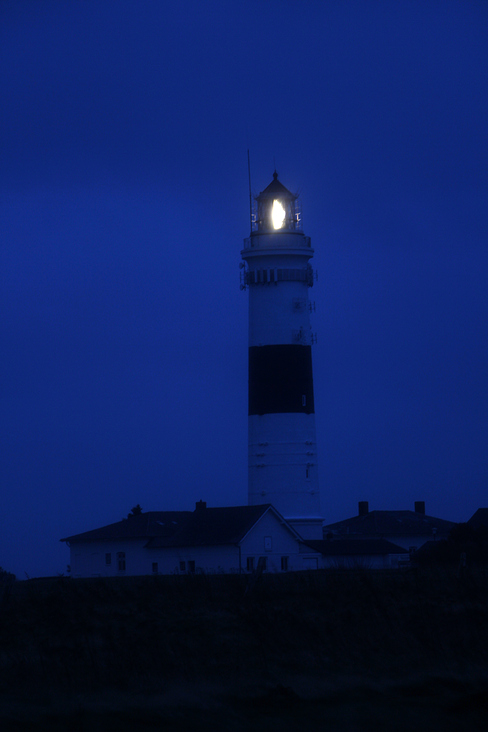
x=124 y=202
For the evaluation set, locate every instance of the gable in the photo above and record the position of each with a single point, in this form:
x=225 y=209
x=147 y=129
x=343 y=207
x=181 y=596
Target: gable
x=271 y=534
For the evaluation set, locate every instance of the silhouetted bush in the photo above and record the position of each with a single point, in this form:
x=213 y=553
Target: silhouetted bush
x=61 y=638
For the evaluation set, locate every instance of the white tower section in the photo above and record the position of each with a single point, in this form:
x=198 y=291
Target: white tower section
x=282 y=441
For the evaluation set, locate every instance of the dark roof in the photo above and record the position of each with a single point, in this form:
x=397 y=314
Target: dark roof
x=210 y=526
x=151 y=523
x=479 y=518
x=276 y=188
x=355 y=547
x=202 y=527
x=428 y=548
x=389 y=523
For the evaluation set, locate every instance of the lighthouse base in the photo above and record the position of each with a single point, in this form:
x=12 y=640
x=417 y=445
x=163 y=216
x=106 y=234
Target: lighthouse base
x=283 y=469
x=308 y=528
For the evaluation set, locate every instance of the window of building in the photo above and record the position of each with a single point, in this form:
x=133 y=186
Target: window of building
x=268 y=544
x=121 y=561
x=304 y=400
x=155 y=567
x=182 y=566
x=191 y=566
x=263 y=563
x=284 y=564
x=108 y=558
x=250 y=564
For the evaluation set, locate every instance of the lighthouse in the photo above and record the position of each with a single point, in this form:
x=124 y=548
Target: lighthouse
x=276 y=270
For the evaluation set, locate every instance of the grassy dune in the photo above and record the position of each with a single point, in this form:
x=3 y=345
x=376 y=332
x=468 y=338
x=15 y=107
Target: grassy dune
x=312 y=650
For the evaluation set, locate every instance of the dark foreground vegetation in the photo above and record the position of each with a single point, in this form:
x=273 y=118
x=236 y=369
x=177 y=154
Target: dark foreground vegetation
x=307 y=651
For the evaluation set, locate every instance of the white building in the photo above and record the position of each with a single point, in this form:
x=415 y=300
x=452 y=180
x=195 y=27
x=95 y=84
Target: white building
x=282 y=465
x=238 y=539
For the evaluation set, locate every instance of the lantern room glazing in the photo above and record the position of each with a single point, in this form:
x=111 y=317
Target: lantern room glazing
x=276 y=209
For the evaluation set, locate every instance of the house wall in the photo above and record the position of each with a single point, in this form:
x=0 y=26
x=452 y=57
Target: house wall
x=387 y=561
x=88 y=558
x=208 y=559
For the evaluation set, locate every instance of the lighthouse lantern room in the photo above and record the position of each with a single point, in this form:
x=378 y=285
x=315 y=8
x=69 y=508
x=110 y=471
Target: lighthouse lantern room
x=282 y=441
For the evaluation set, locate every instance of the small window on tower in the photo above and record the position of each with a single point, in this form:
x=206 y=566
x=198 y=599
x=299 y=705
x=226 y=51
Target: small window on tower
x=307 y=473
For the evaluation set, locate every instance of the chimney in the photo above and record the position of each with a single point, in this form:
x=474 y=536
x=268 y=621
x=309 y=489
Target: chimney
x=363 y=508
x=420 y=507
x=200 y=505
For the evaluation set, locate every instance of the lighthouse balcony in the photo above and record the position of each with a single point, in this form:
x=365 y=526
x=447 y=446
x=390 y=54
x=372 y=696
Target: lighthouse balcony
x=279 y=274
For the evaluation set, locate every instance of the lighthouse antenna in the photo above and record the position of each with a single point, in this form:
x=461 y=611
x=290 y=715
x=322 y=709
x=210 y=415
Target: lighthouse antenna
x=250 y=194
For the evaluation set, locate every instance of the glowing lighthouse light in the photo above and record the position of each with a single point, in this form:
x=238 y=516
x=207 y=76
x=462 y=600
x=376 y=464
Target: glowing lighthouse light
x=278 y=214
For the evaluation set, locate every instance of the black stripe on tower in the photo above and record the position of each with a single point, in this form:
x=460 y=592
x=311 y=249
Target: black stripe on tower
x=280 y=379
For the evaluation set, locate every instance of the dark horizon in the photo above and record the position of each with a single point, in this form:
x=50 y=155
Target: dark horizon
x=125 y=203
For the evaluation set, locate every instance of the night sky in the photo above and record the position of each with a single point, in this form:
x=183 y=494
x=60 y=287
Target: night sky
x=124 y=202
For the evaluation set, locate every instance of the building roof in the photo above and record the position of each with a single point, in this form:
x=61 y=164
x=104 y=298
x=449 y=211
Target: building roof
x=479 y=518
x=389 y=523
x=211 y=526
x=276 y=188
x=202 y=527
x=151 y=523
x=355 y=547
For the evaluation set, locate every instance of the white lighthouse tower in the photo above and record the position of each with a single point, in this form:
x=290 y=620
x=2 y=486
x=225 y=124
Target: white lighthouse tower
x=282 y=441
